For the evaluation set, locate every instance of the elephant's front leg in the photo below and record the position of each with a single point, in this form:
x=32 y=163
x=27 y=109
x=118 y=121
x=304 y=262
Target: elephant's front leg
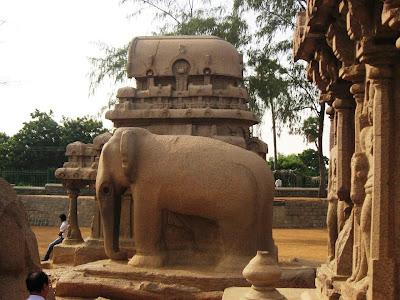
x=109 y=199
x=148 y=231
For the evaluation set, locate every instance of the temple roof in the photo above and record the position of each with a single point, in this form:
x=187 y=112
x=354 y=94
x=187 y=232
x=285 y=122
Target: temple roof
x=155 y=56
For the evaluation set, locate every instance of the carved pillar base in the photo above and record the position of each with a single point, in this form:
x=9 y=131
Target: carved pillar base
x=328 y=285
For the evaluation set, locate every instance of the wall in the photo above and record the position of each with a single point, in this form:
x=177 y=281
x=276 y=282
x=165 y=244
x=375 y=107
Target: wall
x=43 y=210
x=300 y=212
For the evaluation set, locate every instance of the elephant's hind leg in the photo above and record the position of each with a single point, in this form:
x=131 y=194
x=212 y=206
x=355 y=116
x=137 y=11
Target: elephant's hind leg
x=239 y=245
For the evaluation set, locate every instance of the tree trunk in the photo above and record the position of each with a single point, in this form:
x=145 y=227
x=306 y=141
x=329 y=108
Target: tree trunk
x=274 y=135
x=322 y=193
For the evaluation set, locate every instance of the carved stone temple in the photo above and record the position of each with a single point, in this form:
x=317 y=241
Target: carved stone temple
x=352 y=50
x=187 y=88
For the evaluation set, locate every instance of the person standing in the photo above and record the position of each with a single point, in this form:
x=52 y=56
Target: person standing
x=37 y=284
x=62 y=234
x=278 y=183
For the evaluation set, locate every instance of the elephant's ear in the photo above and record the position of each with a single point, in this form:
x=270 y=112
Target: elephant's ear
x=128 y=149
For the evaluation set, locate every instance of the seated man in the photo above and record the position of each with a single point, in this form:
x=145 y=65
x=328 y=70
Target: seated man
x=37 y=284
x=62 y=234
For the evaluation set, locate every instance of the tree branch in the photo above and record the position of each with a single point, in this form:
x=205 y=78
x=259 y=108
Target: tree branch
x=160 y=9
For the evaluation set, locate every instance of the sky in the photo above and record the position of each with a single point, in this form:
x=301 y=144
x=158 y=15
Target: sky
x=44 y=50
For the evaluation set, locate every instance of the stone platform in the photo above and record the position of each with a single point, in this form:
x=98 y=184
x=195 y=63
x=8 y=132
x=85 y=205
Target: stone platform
x=236 y=293
x=107 y=279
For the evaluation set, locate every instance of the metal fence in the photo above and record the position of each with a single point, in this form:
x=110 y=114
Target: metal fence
x=292 y=178
x=30 y=177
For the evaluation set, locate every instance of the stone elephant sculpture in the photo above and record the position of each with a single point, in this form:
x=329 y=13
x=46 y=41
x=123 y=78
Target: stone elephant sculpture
x=188 y=175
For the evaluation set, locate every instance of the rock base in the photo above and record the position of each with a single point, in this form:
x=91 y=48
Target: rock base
x=107 y=278
x=328 y=284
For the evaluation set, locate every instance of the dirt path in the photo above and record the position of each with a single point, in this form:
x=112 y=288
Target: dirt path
x=309 y=244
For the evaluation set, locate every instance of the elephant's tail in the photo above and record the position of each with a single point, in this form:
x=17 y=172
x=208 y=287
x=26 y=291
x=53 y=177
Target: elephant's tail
x=128 y=148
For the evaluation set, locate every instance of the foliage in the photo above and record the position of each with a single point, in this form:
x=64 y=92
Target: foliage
x=288 y=162
x=306 y=162
x=273 y=18
x=37 y=144
x=110 y=66
x=266 y=84
x=310 y=129
x=41 y=143
x=311 y=160
x=80 y=129
x=4 y=138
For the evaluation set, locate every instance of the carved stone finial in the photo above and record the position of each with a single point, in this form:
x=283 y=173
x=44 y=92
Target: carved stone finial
x=263 y=273
x=182 y=49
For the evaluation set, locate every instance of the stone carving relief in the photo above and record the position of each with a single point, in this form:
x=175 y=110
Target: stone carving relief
x=363 y=36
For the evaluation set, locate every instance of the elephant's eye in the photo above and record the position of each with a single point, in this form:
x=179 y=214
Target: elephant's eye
x=106 y=190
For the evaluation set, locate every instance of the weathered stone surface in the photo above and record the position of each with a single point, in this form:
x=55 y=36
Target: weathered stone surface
x=19 y=254
x=235 y=293
x=15 y=233
x=102 y=278
x=200 y=184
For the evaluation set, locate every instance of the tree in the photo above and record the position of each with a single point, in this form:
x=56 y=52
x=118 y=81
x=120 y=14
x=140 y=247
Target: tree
x=41 y=143
x=310 y=158
x=311 y=130
x=288 y=162
x=4 y=138
x=268 y=89
x=37 y=144
x=274 y=18
x=83 y=129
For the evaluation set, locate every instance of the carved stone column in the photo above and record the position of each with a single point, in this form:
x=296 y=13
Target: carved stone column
x=74 y=235
x=344 y=114
x=382 y=263
x=344 y=108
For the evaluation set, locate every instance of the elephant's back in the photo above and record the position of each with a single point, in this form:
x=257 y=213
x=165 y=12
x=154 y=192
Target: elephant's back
x=193 y=154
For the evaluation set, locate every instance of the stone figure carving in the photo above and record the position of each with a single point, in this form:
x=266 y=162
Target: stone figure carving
x=192 y=176
x=331 y=218
x=362 y=183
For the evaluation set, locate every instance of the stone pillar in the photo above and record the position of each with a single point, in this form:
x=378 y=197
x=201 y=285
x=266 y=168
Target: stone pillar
x=344 y=116
x=344 y=108
x=74 y=233
x=356 y=74
x=382 y=264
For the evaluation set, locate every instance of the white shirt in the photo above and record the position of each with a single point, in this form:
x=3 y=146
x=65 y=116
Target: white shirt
x=63 y=228
x=35 y=297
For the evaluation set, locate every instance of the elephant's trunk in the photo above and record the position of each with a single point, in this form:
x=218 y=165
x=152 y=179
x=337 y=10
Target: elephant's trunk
x=110 y=210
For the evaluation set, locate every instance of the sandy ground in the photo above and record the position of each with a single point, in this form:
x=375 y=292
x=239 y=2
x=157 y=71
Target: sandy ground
x=309 y=244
